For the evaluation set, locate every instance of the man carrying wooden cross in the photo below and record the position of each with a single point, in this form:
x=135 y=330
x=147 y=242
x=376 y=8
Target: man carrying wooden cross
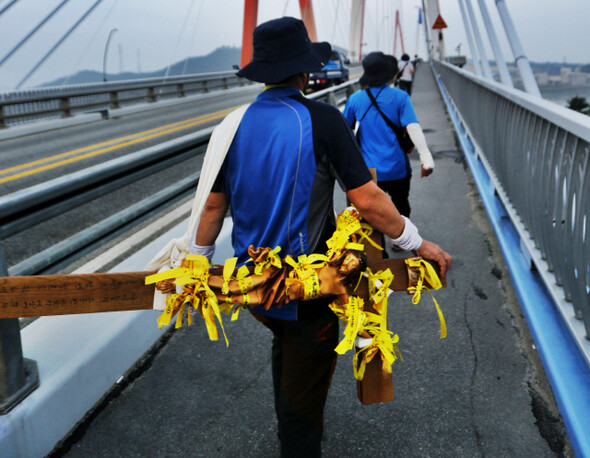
x=278 y=180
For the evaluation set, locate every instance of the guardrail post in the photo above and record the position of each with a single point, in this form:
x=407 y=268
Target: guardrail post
x=64 y=107
x=18 y=376
x=114 y=97
x=204 y=86
x=180 y=90
x=151 y=95
x=331 y=99
x=349 y=90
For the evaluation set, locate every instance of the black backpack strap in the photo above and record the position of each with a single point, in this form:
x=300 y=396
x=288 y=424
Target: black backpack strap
x=367 y=110
x=397 y=130
x=397 y=75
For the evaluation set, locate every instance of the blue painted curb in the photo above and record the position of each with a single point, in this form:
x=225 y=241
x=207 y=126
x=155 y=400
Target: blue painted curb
x=565 y=366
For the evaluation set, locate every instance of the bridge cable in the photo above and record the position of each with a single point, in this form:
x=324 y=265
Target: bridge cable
x=190 y=8
x=32 y=32
x=192 y=40
x=8 y=6
x=90 y=41
x=285 y=8
x=59 y=42
x=342 y=29
x=335 y=21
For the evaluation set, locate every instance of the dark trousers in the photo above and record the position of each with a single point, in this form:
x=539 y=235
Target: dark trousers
x=303 y=362
x=406 y=86
x=399 y=191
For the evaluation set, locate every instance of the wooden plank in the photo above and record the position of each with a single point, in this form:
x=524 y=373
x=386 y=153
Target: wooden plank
x=400 y=272
x=70 y=294
x=110 y=292
x=376 y=385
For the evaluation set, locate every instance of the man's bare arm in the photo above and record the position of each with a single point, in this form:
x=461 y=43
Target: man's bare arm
x=378 y=209
x=211 y=220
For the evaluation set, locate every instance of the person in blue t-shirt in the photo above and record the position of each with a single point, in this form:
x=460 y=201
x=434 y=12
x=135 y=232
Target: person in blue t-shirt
x=379 y=143
x=278 y=182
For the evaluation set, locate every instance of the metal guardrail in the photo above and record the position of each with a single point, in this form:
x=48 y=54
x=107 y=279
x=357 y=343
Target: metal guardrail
x=52 y=102
x=31 y=206
x=539 y=153
x=530 y=160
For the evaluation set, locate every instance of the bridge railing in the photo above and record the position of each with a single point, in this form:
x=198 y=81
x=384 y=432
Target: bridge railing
x=52 y=102
x=530 y=160
x=539 y=155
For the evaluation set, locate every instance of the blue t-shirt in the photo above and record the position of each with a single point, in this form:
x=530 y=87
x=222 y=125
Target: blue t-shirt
x=279 y=176
x=379 y=143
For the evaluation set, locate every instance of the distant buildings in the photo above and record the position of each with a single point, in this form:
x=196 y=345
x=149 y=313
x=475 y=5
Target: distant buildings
x=562 y=75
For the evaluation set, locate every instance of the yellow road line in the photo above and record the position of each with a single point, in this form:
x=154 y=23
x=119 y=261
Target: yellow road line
x=210 y=117
x=183 y=124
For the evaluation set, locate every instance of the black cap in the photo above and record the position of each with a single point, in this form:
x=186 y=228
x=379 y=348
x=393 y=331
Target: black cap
x=378 y=69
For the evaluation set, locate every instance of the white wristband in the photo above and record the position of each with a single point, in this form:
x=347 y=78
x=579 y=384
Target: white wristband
x=206 y=251
x=410 y=239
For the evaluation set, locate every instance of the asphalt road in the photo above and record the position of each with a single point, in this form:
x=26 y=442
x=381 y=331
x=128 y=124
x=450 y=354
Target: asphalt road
x=481 y=392
x=43 y=156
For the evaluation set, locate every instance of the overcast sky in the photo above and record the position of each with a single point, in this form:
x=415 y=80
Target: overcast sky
x=151 y=34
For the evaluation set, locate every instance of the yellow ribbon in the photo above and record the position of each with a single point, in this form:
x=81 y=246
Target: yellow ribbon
x=383 y=341
x=428 y=274
x=378 y=294
x=272 y=259
x=228 y=272
x=304 y=269
x=365 y=233
x=245 y=283
x=354 y=317
x=347 y=224
x=193 y=276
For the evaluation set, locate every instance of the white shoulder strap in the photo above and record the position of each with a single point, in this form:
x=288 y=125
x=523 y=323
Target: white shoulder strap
x=219 y=143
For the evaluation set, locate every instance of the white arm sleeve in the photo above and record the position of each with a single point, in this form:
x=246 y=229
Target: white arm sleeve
x=417 y=136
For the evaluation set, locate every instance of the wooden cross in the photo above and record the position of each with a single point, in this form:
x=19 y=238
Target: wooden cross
x=377 y=386
x=31 y=296
x=44 y=295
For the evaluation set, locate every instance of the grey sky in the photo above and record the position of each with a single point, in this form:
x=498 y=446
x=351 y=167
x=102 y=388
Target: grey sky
x=152 y=34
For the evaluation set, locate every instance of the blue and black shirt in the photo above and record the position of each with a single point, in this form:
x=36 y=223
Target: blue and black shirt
x=279 y=177
x=379 y=143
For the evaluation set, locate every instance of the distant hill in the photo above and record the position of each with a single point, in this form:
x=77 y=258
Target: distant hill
x=222 y=59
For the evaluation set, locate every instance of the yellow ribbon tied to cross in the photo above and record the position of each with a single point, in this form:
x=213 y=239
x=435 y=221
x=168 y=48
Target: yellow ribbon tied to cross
x=305 y=273
x=192 y=275
x=382 y=341
x=426 y=274
x=347 y=223
x=354 y=317
x=272 y=259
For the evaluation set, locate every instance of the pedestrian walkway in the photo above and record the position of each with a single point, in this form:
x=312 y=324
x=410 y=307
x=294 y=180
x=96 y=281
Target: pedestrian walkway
x=479 y=392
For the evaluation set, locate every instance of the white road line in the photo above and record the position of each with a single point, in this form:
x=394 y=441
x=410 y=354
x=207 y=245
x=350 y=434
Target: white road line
x=133 y=242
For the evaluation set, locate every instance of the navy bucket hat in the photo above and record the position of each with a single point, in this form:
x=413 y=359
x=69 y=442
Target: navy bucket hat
x=282 y=48
x=378 y=69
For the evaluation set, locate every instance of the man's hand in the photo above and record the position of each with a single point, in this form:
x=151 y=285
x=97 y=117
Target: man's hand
x=425 y=172
x=433 y=252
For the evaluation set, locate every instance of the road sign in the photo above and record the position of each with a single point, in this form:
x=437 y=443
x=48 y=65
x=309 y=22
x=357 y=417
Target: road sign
x=439 y=23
